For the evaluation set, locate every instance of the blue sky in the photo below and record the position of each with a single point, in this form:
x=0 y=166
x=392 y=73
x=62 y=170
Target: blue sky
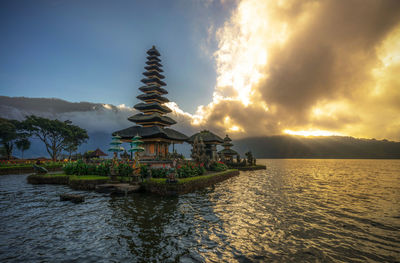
x=95 y=50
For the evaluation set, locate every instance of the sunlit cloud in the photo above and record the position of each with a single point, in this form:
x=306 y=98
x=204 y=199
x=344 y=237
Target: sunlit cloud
x=311 y=133
x=311 y=68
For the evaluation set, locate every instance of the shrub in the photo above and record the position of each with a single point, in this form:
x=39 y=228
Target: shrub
x=159 y=173
x=144 y=170
x=103 y=169
x=124 y=169
x=218 y=166
x=190 y=170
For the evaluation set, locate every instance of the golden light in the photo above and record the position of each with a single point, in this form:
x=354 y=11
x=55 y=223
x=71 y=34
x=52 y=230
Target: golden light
x=244 y=45
x=232 y=127
x=311 y=133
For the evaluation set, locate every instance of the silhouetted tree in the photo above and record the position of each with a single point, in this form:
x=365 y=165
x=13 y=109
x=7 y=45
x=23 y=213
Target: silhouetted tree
x=56 y=135
x=23 y=145
x=11 y=131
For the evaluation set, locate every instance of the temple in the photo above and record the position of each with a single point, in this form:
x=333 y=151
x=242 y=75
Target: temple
x=227 y=153
x=151 y=122
x=210 y=140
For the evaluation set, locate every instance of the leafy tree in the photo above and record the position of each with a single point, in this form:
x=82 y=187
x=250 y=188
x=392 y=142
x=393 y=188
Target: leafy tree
x=10 y=132
x=76 y=136
x=23 y=145
x=56 y=135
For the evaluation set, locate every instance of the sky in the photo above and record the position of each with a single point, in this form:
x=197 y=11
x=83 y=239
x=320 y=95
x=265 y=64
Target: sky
x=245 y=67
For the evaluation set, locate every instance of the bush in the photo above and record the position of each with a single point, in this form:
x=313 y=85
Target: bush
x=144 y=170
x=190 y=170
x=103 y=169
x=159 y=173
x=218 y=166
x=124 y=169
x=81 y=168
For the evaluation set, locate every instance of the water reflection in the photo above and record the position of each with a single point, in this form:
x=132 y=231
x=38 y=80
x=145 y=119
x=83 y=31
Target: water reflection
x=308 y=210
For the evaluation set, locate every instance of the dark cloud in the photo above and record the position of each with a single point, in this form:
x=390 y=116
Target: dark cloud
x=331 y=56
x=327 y=61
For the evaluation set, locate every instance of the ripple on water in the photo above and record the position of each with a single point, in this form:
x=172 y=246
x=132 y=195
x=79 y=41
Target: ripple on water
x=308 y=210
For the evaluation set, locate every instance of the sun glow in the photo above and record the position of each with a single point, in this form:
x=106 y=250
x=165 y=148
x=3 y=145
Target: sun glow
x=311 y=133
x=244 y=45
x=232 y=127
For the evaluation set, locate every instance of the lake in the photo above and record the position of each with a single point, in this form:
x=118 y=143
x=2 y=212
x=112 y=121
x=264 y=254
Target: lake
x=296 y=210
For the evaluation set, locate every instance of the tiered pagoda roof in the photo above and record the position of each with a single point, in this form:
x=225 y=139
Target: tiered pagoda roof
x=151 y=121
x=152 y=107
x=227 y=151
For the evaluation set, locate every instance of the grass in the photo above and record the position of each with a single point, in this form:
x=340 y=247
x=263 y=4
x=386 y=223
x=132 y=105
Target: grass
x=52 y=175
x=190 y=179
x=88 y=177
x=74 y=177
x=85 y=177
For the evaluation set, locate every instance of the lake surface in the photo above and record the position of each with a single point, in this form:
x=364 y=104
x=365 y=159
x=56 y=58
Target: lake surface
x=296 y=210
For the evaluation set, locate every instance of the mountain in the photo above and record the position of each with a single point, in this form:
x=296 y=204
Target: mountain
x=100 y=120
x=284 y=146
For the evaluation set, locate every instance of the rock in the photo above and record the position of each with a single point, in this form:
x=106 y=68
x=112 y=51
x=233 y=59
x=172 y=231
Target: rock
x=73 y=198
x=39 y=169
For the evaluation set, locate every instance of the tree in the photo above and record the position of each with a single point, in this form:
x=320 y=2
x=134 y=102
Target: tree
x=76 y=136
x=10 y=132
x=56 y=135
x=23 y=145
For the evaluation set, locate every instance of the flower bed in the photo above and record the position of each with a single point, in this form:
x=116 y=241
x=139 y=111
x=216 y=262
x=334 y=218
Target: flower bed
x=186 y=185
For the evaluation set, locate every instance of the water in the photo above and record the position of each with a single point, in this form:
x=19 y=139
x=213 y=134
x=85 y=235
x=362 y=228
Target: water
x=296 y=210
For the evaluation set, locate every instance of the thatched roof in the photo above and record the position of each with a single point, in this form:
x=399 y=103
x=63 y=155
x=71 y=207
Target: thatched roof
x=228 y=152
x=151 y=132
x=152 y=106
x=207 y=136
x=142 y=118
x=97 y=153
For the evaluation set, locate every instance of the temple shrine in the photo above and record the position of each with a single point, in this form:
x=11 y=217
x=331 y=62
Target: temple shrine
x=151 y=123
x=227 y=153
x=210 y=140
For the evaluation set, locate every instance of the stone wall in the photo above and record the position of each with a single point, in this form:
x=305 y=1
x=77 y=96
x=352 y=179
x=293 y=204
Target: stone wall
x=183 y=188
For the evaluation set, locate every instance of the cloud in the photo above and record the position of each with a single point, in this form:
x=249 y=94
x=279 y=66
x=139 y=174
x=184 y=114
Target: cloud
x=307 y=65
x=94 y=117
x=322 y=67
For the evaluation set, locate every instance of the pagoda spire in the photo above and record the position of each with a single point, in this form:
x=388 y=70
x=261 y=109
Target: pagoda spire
x=152 y=108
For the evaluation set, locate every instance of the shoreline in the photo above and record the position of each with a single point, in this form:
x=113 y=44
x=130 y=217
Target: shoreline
x=151 y=185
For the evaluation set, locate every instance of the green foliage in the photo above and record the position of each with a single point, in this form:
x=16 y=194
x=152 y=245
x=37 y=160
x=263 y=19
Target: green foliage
x=190 y=170
x=28 y=164
x=190 y=179
x=23 y=145
x=88 y=177
x=159 y=173
x=218 y=166
x=56 y=135
x=11 y=131
x=102 y=169
x=144 y=170
x=124 y=169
